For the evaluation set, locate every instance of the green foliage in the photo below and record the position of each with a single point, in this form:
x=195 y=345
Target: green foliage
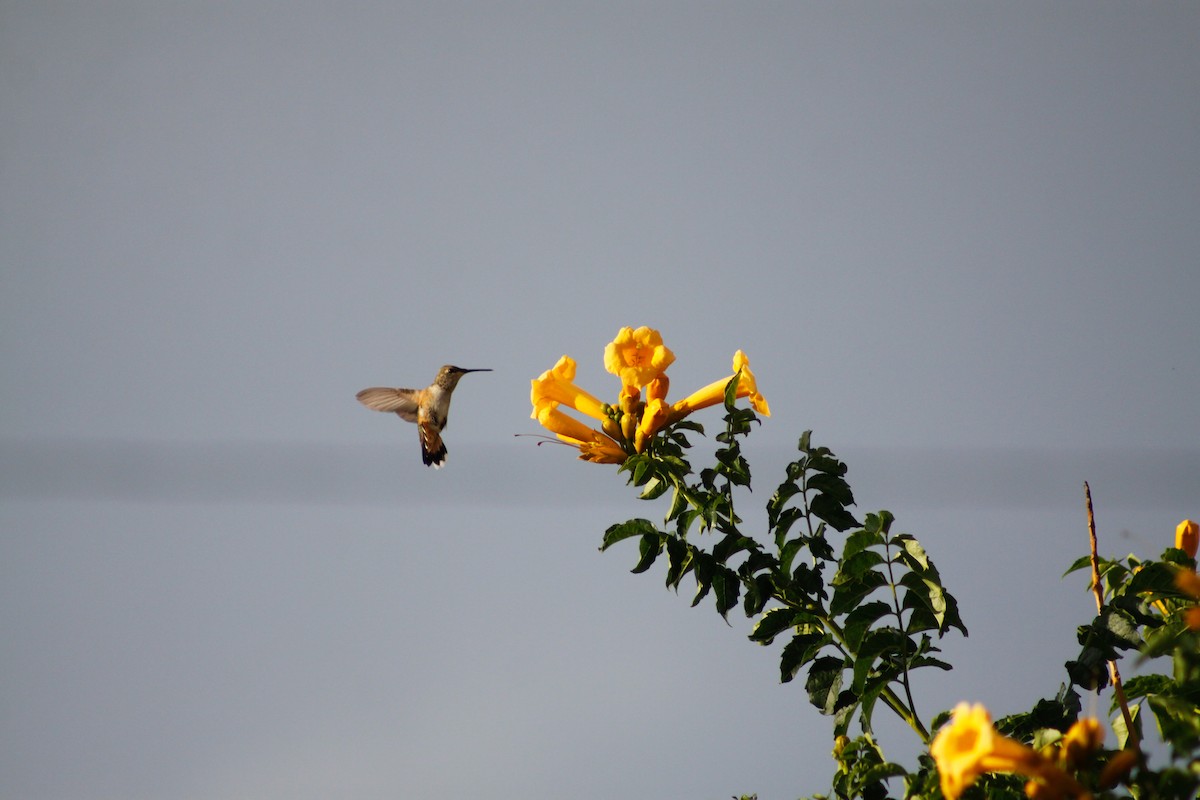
x=858 y=609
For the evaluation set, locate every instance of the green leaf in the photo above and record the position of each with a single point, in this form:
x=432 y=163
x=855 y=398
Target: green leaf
x=679 y=504
x=627 y=530
x=859 y=541
x=824 y=683
x=787 y=554
x=732 y=544
x=771 y=624
x=809 y=581
x=784 y=523
x=1155 y=580
x=1077 y=564
x=702 y=571
x=1178 y=719
x=821 y=460
x=758 y=592
x=804 y=646
x=727 y=589
x=775 y=506
x=1121 y=730
x=833 y=486
x=640 y=467
x=679 y=561
x=929 y=661
x=1142 y=685
x=826 y=508
x=848 y=595
x=655 y=487
x=731 y=390
x=650 y=546
x=1124 y=633
x=856 y=566
x=861 y=620
x=914 y=556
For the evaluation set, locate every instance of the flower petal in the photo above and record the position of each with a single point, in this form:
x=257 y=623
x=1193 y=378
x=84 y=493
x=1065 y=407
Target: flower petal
x=637 y=357
x=555 y=386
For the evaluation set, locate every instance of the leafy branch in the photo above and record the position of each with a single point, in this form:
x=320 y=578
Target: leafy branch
x=860 y=611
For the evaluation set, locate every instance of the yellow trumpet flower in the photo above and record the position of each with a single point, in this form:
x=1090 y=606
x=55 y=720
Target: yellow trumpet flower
x=714 y=393
x=637 y=357
x=969 y=746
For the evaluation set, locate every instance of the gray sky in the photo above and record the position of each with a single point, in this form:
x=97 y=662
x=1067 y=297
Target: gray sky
x=958 y=242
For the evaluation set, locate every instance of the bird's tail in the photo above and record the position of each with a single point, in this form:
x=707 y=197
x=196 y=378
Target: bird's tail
x=433 y=450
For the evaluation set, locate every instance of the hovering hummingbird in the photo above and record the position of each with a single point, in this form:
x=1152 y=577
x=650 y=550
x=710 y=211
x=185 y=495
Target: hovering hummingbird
x=427 y=407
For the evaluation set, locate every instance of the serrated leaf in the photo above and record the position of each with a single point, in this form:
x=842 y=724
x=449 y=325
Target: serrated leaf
x=832 y=486
x=859 y=541
x=809 y=581
x=787 y=554
x=929 y=661
x=783 y=523
x=785 y=492
x=803 y=647
x=1142 y=685
x=856 y=566
x=861 y=620
x=1178 y=720
x=771 y=624
x=821 y=460
x=824 y=507
x=917 y=560
x=849 y=595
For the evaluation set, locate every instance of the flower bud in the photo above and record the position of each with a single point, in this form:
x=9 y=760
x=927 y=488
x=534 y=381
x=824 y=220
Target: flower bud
x=1187 y=537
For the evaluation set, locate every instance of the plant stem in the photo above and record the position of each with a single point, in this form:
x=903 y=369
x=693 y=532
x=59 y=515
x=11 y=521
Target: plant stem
x=1098 y=591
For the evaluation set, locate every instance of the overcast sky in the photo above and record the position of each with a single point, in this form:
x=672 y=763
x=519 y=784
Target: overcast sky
x=957 y=241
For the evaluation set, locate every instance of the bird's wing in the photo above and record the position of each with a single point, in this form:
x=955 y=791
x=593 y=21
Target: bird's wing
x=401 y=401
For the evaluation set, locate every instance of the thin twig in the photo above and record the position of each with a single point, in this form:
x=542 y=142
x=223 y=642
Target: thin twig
x=1113 y=672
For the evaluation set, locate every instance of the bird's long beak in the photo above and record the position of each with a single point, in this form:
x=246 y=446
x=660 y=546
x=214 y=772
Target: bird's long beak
x=481 y=369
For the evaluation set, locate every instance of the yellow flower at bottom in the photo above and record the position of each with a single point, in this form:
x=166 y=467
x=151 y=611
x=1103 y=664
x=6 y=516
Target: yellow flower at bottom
x=1188 y=582
x=969 y=746
x=592 y=444
x=1083 y=739
x=1187 y=537
x=1118 y=767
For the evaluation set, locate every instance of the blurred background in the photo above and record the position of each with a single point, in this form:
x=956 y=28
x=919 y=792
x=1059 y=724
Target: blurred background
x=957 y=242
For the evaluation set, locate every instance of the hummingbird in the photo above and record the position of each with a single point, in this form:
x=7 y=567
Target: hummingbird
x=427 y=407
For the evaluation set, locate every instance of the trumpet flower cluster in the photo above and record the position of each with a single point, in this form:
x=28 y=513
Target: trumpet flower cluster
x=969 y=747
x=640 y=359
